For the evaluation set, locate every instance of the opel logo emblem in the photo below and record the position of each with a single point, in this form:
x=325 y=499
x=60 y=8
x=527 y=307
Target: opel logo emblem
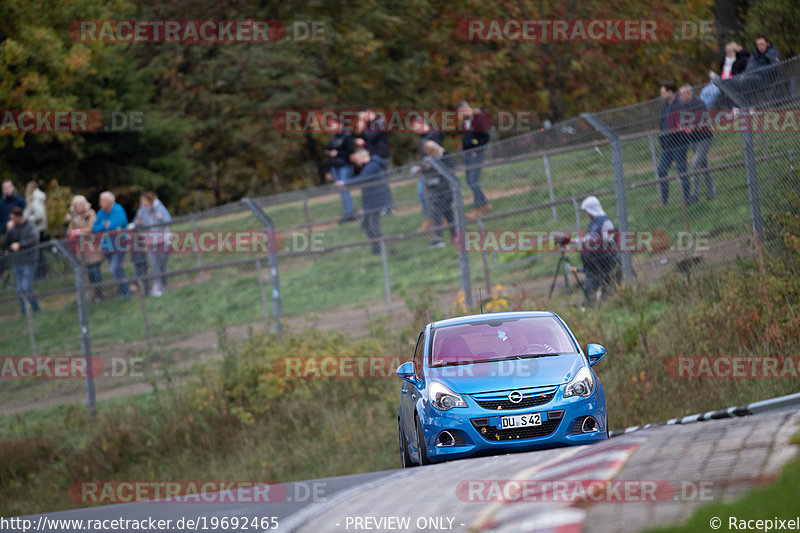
x=515 y=396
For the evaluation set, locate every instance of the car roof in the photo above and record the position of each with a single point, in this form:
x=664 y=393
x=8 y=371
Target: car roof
x=467 y=319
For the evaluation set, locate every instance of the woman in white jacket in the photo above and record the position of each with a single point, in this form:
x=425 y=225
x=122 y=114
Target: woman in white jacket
x=36 y=212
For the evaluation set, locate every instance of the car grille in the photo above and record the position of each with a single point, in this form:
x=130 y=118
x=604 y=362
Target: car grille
x=504 y=404
x=491 y=433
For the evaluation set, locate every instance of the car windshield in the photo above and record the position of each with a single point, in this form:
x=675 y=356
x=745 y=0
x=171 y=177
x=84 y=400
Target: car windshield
x=494 y=340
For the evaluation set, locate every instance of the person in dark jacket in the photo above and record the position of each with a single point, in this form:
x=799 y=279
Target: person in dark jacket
x=474 y=137
x=376 y=196
x=674 y=143
x=764 y=55
x=11 y=199
x=426 y=133
x=373 y=135
x=339 y=149
x=440 y=194
x=701 y=140
x=21 y=243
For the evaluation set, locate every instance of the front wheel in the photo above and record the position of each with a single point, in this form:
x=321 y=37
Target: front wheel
x=405 y=459
x=423 y=456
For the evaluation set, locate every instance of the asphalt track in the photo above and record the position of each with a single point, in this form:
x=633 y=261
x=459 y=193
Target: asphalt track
x=457 y=496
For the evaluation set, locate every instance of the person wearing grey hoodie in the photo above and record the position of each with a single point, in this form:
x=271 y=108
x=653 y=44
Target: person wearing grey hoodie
x=153 y=216
x=599 y=252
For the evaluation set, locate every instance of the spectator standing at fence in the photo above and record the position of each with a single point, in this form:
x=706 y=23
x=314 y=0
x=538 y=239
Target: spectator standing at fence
x=140 y=264
x=376 y=195
x=339 y=149
x=373 y=135
x=475 y=135
x=701 y=139
x=599 y=252
x=674 y=145
x=426 y=133
x=112 y=218
x=154 y=216
x=80 y=219
x=11 y=199
x=36 y=212
x=21 y=243
x=764 y=54
x=733 y=64
x=735 y=60
x=440 y=194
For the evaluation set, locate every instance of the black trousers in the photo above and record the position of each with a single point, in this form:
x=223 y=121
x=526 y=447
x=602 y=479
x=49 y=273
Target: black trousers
x=441 y=207
x=371 y=222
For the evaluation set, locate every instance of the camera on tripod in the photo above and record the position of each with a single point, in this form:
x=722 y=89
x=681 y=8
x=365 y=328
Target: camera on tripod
x=563 y=240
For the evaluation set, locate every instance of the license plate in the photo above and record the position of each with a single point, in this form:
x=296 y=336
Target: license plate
x=519 y=421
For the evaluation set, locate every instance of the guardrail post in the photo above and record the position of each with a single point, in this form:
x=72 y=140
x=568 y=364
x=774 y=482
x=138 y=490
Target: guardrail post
x=619 y=187
x=83 y=320
x=461 y=225
x=272 y=261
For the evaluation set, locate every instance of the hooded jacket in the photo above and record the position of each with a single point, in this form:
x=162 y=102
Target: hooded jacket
x=36 y=210
x=376 y=193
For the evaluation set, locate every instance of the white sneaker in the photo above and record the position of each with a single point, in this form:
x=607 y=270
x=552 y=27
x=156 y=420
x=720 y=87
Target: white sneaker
x=155 y=292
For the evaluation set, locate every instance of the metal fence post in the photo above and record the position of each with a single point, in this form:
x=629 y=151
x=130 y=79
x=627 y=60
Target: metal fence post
x=749 y=159
x=386 y=286
x=619 y=186
x=83 y=320
x=143 y=305
x=263 y=293
x=461 y=225
x=198 y=254
x=550 y=185
x=29 y=318
x=272 y=261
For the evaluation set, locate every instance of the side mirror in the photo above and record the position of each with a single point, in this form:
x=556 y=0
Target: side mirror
x=406 y=371
x=594 y=352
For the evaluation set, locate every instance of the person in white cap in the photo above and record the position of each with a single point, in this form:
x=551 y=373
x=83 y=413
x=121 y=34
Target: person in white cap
x=599 y=251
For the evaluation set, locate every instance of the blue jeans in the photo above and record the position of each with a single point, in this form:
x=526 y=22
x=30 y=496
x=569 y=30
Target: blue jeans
x=423 y=197
x=95 y=276
x=118 y=272
x=474 y=158
x=23 y=276
x=344 y=174
x=668 y=155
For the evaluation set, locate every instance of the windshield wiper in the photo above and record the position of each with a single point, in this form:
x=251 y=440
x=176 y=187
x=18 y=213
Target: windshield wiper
x=532 y=355
x=455 y=363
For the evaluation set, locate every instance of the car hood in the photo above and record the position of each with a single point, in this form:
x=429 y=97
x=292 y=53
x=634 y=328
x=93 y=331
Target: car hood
x=511 y=374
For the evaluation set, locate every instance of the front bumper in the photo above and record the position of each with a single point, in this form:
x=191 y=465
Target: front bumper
x=475 y=432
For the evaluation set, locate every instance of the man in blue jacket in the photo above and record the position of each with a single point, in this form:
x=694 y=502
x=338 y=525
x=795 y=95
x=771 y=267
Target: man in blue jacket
x=376 y=196
x=112 y=218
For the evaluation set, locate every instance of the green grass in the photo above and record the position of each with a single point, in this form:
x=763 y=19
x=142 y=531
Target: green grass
x=777 y=501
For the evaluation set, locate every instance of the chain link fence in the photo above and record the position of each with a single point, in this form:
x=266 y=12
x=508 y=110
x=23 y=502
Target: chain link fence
x=320 y=269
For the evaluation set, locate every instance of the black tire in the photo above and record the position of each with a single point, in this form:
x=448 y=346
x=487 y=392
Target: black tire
x=405 y=459
x=423 y=456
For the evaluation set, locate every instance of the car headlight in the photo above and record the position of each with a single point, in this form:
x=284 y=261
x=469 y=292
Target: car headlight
x=581 y=385
x=443 y=398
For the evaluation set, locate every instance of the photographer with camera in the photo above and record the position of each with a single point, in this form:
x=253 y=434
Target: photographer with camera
x=599 y=252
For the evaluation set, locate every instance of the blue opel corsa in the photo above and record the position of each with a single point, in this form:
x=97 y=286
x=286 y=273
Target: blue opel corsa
x=496 y=383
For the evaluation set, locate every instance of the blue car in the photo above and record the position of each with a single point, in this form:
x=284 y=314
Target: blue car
x=497 y=383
